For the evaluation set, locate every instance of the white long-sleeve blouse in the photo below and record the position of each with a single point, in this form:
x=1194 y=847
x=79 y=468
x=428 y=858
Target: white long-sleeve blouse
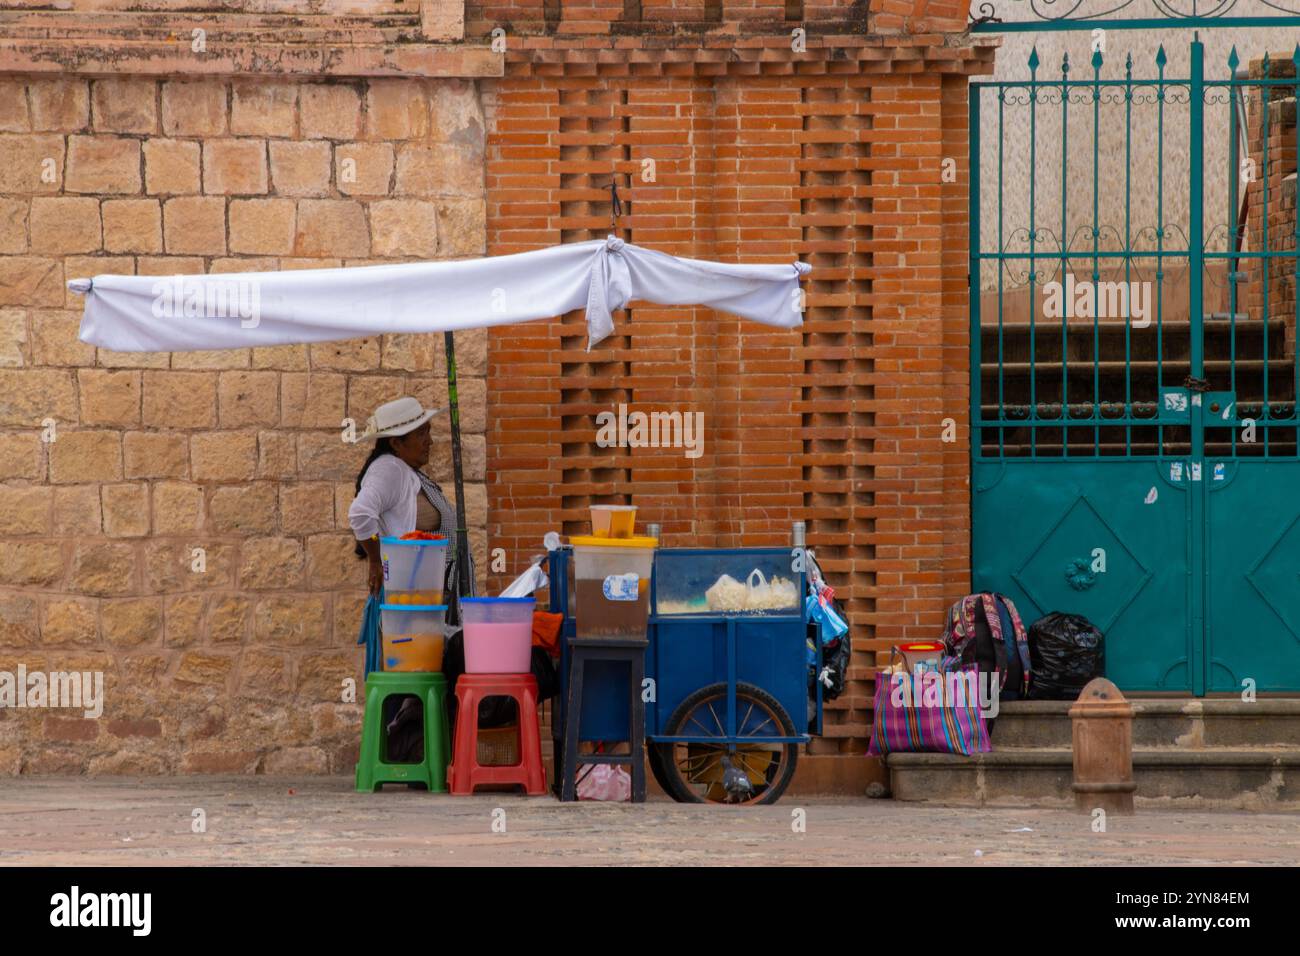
x=386 y=503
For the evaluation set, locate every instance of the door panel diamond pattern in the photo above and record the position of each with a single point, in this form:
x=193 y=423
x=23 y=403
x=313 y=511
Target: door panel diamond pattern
x=1062 y=572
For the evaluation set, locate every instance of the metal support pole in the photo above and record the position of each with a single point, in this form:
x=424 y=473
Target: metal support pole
x=464 y=580
x=1199 y=638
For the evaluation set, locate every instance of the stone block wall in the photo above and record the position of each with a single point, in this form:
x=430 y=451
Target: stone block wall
x=178 y=521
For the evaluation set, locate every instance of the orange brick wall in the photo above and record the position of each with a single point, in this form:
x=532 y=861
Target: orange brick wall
x=955 y=232
x=1272 y=194
x=832 y=157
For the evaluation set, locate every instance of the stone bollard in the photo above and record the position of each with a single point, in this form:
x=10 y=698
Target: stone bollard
x=1103 y=749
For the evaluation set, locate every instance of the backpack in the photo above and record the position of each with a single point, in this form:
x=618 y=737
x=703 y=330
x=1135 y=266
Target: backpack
x=985 y=629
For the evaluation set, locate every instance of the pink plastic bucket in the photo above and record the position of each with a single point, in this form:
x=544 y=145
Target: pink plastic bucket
x=498 y=635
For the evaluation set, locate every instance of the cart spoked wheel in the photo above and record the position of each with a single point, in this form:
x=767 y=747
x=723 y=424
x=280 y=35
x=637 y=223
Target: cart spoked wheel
x=655 y=759
x=750 y=772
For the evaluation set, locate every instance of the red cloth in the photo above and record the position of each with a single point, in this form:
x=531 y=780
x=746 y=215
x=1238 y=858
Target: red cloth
x=546 y=631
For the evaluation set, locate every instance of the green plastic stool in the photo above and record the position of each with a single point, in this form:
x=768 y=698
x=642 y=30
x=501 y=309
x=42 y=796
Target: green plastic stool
x=372 y=769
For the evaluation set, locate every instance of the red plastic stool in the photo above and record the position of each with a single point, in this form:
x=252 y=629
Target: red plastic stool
x=465 y=772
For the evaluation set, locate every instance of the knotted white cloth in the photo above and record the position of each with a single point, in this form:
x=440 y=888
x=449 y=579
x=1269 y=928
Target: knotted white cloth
x=239 y=310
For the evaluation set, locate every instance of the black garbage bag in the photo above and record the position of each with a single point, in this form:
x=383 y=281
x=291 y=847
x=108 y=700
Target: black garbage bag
x=496 y=711
x=1065 y=651
x=836 y=657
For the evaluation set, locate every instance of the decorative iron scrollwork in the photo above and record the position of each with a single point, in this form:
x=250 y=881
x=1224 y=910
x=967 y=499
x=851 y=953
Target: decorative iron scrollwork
x=1050 y=12
x=987 y=15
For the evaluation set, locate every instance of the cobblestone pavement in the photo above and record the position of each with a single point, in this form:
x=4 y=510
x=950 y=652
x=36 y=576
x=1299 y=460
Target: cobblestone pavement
x=283 y=821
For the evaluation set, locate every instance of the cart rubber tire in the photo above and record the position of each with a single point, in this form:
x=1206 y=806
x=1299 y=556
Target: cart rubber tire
x=677 y=787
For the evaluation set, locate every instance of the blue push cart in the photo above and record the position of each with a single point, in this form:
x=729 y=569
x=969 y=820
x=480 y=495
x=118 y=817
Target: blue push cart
x=731 y=690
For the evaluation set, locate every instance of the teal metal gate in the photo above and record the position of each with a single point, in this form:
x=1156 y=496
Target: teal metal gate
x=1133 y=362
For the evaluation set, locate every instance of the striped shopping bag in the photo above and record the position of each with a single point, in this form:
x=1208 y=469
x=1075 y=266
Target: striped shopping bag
x=931 y=711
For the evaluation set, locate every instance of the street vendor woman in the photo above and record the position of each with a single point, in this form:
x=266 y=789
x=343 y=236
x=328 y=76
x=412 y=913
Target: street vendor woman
x=393 y=496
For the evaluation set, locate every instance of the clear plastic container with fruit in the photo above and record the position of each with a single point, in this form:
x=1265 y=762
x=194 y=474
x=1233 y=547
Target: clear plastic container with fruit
x=413 y=569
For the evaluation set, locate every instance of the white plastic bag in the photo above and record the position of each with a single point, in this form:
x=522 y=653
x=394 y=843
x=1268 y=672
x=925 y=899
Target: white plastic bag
x=527 y=583
x=608 y=782
x=757 y=595
x=726 y=594
x=783 y=593
x=768 y=595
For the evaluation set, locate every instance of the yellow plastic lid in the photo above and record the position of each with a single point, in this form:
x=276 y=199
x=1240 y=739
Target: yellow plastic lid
x=590 y=541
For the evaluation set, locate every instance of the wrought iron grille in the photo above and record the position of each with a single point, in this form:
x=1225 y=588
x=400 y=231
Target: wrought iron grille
x=1112 y=313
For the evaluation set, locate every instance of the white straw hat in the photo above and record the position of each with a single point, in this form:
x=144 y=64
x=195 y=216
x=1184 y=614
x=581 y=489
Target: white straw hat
x=397 y=418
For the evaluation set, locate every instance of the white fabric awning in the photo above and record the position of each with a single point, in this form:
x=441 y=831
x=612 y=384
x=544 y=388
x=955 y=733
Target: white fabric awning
x=237 y=310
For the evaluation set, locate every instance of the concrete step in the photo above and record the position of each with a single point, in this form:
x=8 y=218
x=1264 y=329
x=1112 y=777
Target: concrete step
x=1169 y=722
x=1219 y=778
x=1186 y=753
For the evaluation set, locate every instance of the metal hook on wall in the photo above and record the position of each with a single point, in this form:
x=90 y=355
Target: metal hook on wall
x=615 y=203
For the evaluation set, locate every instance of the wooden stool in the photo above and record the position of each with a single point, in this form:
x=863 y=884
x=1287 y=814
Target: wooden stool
x=581 y=652
x=465 y=772
x=373 y=767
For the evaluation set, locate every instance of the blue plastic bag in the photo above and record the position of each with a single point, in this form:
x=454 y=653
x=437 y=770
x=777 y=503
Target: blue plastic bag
x=824 y=613
x=369 y=634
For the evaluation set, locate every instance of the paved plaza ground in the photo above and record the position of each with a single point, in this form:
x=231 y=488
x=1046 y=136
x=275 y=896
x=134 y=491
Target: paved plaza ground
x=321 y=820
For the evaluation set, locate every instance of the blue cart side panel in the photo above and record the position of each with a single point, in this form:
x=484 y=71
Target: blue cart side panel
x=685 y=656
x=690 y=654
x=771 y=653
